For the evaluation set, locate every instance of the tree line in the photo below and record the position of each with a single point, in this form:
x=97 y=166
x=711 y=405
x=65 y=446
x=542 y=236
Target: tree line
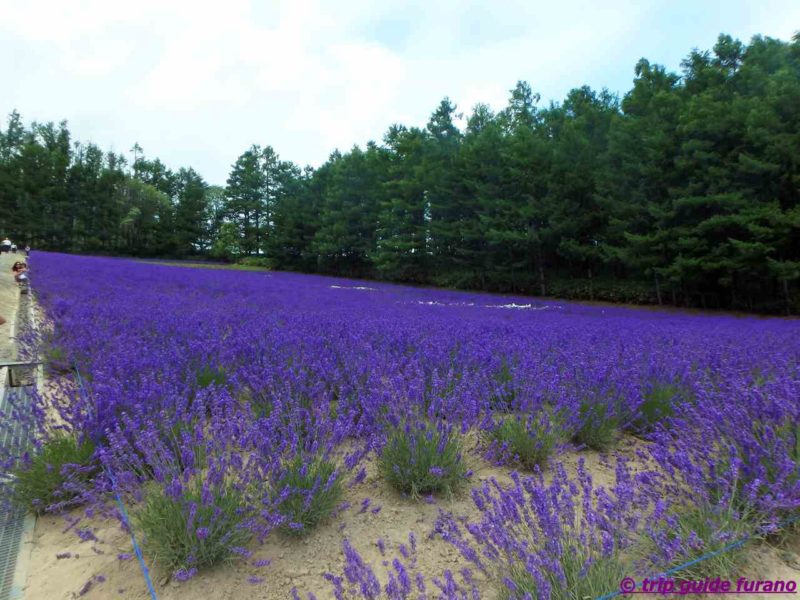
x=683 y=191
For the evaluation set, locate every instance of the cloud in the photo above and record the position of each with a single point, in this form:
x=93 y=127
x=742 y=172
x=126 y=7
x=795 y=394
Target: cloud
x=196 y=83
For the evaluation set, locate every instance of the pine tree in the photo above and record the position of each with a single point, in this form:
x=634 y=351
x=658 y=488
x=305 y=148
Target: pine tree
x=402 y=252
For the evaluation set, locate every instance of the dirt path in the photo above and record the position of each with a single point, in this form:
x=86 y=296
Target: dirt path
x=9 y=301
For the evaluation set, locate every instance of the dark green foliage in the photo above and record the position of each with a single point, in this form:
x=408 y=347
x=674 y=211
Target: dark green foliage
x=207 y=376
x=602 y=575
x=422 y=460
x=400 y=251
x=59 y=195
x=528 y=442
x=191 y=213
x=307 y=492
x=256 y=261
x=658 y=403
x=56 y=358
x=56 y=474
x=346 y=237
x=603 y=290
x=684 y=191
x=598 y=426
x=172 y=544
x=504 y=392
x=258 y=184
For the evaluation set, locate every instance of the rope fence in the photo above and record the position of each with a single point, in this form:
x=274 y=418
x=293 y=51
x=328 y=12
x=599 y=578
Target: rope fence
x=727 y=548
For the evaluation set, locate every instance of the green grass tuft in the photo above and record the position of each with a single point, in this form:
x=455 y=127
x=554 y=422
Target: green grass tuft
x=658 y=403
x=207 y=376
x=307 y=493
x=601 y=576
x=527 y=442
x=173 y=542
x=598 y=429
x=422 y=460
x=505 y=394
x=56 y=474
x=56 y=359
x=703 y=529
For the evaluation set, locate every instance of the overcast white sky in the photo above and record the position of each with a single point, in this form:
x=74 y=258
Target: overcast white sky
x=196 y=83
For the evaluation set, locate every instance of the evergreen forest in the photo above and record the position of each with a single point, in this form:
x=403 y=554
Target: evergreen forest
x=683 y=191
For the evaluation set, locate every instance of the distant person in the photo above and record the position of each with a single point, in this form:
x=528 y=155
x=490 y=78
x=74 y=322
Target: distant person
x=13 y=248
x=27 y=250
x=5 y=245
x=18 y=269
x=21 y=275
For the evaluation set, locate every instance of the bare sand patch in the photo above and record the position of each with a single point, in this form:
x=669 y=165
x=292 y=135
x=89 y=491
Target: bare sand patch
x=299 y=563
x=9 y=302
x=62 y=566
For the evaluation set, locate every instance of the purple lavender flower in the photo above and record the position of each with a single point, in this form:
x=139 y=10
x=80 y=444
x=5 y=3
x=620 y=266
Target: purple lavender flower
x=86 y=535
x=359 y=477
x=364 y=505
x=185 y=574
x=294 y=377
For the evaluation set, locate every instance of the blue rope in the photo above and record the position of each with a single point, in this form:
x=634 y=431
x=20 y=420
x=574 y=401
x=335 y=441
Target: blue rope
x=136 y=547
x=608 y=596
x=124 y=513
x=727 y=548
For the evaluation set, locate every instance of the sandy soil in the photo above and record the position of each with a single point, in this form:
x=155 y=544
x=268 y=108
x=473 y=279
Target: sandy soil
x=63 y=567
x=297 y=563
x=301 y=562
x=9 y=301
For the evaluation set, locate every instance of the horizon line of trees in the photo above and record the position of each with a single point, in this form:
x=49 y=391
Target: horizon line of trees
x=685 y=191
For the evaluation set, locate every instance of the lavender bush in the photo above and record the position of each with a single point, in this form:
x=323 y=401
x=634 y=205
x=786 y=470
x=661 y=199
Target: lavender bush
x=527 y=441
x=306 y=492
x=225 y=378
x=190 y=526
x=598 y=425
x=423 y=459
x=564 y=539
x=55 y=475
x=690 y=532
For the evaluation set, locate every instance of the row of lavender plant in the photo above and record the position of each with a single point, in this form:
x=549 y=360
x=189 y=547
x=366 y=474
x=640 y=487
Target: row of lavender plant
x=235 y=403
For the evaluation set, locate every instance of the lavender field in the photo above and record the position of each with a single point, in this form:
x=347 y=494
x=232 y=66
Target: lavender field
x=403 y=442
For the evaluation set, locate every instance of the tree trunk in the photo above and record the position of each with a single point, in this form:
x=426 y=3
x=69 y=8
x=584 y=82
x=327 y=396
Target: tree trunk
x=542 y=286
x=658 y=288
x=786 y=296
